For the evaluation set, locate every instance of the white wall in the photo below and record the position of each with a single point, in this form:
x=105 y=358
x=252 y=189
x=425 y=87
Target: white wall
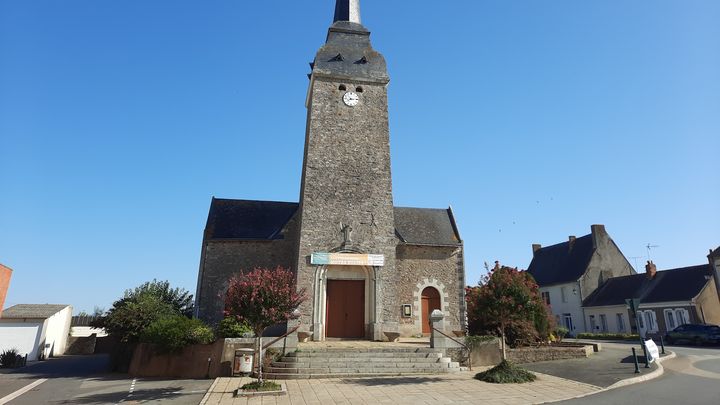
x=23 y=336
x=610 y=313
x=573 y=306
x=85 y=331
x=58 y=329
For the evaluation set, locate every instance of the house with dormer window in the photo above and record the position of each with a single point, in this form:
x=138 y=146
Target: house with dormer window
x=569 y=272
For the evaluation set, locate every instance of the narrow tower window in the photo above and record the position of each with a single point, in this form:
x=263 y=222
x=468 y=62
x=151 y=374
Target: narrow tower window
x=342 y=87
x=359 y=90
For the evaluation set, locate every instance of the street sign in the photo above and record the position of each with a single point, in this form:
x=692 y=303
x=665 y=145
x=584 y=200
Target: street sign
x=652 y=350
x=633 y=304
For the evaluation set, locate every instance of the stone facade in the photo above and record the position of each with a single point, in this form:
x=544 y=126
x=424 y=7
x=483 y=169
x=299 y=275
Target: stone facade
x=222 y=259
x=419 y=267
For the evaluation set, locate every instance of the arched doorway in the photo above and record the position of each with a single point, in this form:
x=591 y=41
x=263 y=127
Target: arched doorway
x=430 y=302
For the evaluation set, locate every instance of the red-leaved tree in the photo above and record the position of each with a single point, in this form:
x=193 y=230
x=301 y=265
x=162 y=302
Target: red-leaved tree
x=505 y=298
x=263 y=298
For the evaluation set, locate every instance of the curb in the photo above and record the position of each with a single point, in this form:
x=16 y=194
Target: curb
x=209 y=391
x=655 y=374
x=628 y=381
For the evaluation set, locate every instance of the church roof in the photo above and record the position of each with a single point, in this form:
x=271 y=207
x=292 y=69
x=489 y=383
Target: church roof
x=249 y=220
x=264 y=220
x=426 y=226
x=559 y=263
x=682 y=284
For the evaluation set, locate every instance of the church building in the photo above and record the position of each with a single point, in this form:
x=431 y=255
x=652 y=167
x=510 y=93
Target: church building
x=368 y=266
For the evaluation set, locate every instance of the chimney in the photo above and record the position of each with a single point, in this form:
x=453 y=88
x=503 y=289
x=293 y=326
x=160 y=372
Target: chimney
x=598 y=231
x=536 y=247
x=571 y=242
x=650 y=270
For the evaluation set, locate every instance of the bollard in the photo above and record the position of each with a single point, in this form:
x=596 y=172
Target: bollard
x=637 y=366
x=662 y=344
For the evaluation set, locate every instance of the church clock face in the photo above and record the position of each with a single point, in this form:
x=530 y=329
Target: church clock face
x=351 y=99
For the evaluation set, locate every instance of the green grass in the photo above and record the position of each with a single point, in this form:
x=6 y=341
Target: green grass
x=506 y=373
x=257 y=386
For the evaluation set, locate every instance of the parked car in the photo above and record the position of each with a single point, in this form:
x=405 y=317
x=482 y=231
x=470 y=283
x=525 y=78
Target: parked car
x=694 y=333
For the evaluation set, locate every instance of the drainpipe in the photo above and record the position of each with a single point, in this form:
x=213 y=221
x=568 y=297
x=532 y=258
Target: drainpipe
x=579 y=291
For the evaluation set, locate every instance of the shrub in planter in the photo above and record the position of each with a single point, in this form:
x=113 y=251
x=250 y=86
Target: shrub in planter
x=561 y=332
x=8 y=358
x=231 y=328
x=173 y=333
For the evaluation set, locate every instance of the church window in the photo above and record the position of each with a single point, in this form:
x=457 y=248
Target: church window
x=342 y=87
x=359 y=89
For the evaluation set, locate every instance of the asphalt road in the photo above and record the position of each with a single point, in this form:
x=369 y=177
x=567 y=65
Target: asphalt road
x=692 y=378
x=83 y=380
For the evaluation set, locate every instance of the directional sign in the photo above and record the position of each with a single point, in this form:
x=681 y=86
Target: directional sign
x=652 y=350
x=633 y=303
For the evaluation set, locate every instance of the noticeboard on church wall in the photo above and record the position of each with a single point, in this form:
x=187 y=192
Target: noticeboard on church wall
x=347 y=259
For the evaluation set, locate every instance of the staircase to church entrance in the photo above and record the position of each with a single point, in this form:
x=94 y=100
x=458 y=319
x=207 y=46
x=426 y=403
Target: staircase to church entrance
x=365 y=359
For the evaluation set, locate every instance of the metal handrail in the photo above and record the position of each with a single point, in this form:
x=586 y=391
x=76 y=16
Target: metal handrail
x=281 y=337
x=458 y=342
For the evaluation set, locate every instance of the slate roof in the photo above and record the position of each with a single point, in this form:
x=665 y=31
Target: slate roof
x=558 y=264
x=426 y=226
x=715 y=253
x=264 y=220
x=34 y=311
x=681 y=284
x=249 y=220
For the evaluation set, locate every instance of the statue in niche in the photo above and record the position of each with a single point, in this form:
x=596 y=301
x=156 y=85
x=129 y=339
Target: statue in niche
x=346 y=231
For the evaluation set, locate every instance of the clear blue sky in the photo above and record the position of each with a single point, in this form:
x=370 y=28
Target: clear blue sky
x=119 y=120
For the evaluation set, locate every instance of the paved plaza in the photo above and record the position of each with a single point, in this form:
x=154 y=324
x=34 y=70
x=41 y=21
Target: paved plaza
x=457 y=388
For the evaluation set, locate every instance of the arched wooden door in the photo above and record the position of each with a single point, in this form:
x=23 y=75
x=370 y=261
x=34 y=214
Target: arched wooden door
x=430 y=302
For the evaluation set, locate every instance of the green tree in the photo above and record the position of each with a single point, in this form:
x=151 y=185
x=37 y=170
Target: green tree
x=263 y=298
x=172 y=333
x=141 y=306
x=506 y=299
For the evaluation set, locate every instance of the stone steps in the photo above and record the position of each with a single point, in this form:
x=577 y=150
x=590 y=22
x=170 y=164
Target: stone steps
x=353 y=363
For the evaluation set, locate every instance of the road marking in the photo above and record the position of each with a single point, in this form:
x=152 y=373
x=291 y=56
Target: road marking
x=8 y=398
x=130 y=393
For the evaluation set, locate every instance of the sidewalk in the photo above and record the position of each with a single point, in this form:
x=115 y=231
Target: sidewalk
x=557 y=380
x=456 y=388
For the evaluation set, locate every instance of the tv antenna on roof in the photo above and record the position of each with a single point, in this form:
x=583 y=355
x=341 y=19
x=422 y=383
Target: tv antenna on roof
x=635 y=259
x=649 y=247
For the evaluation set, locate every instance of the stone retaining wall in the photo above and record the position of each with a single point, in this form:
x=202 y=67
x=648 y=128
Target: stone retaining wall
x=545 y=353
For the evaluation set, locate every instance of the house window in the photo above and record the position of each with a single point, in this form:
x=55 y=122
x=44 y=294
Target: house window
x=682 y=316
x=603 y=323
x=641 y=323
x=593 y=325
x=563 y=296
x=620 y=322
x=650 y=321
x=669 y=319
x=568 y=322
x=546 y=297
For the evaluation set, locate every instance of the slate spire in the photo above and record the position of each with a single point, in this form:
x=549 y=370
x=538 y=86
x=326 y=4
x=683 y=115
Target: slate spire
x=347 y=10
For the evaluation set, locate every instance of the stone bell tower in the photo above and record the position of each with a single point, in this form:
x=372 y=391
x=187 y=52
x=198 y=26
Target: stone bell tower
x=346 y=252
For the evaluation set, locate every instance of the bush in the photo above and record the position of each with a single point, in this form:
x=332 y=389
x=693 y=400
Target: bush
x=173 y=333
x=231 y=328
x=608 y=336
x=506 y=373
x=8 y=358
x=561 y=332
